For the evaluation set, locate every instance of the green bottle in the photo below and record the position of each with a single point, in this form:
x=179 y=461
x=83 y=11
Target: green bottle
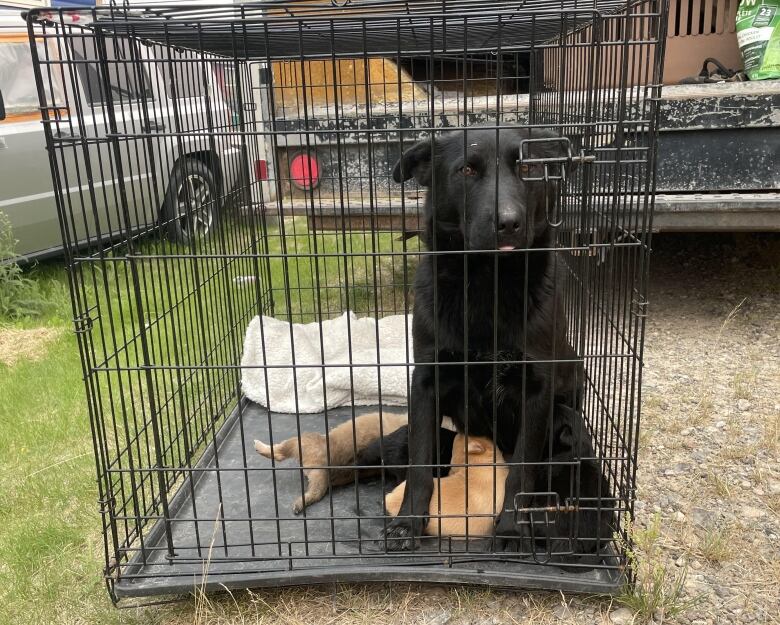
x=758 y=35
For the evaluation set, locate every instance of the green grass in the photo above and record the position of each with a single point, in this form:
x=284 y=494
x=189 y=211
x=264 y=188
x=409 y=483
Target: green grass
x=50 y=546
x=51 y=551
x=20 y=295
x=659 y=590
x=341 y=281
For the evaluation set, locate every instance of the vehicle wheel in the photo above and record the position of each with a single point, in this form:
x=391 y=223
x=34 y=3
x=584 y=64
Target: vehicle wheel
x=191 y=208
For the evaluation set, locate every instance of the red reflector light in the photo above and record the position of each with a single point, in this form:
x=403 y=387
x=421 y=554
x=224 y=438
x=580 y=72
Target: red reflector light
x=261 y=169
x=304 y=171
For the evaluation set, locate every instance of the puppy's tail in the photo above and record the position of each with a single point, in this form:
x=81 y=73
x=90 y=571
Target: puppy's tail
x=280 y=451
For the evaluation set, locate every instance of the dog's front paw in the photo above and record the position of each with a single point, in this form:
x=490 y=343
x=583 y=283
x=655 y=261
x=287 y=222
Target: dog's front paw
x=402 y=533
x=513 y=532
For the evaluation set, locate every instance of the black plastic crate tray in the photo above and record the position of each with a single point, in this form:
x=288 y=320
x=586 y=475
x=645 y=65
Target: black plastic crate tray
x=338 y=544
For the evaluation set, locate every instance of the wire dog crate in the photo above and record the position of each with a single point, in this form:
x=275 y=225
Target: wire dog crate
x=243 y=249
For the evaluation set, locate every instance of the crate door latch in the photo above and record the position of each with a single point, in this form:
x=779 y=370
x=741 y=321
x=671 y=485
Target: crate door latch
x=559 y=159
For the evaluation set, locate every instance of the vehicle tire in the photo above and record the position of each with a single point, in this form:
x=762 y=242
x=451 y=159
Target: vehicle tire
x=191 y=208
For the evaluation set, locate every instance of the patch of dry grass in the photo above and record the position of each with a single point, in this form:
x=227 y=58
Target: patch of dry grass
x=377 y=604
x=718 y=484
x=704 y=409
x=715 y=544
x=773 y=503
x=737 y=452
x=744 y=383
x=772 y=433
x=25 y=344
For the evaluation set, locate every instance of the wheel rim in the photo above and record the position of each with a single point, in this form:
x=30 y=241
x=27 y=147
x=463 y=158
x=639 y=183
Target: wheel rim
x=195 y=206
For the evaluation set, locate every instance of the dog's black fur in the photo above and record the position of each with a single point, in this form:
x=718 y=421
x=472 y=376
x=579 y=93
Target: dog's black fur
x=393 y=453
x=477 y=201
x=586 y=529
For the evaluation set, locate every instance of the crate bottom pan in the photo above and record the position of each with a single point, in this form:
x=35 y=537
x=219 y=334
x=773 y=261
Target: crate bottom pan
x=298 y=550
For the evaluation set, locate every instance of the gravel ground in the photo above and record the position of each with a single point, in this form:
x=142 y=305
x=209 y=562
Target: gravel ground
x=709 y=473
x=709 y=469
x=709 y=453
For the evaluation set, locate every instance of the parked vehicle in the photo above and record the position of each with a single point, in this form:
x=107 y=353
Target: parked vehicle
x=186 y=176
x=718 y=146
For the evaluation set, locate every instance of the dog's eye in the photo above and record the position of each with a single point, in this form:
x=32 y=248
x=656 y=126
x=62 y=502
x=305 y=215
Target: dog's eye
x=524 y=169
x=468 y=170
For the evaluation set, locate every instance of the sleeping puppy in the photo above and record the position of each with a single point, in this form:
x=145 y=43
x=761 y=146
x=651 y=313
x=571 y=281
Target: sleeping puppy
x=482 y=199
x=580 y=526
x=477 y=493
x=337 y=450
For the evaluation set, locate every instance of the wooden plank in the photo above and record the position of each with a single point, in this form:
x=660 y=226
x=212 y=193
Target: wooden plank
x=342 y=81
x=362 y=222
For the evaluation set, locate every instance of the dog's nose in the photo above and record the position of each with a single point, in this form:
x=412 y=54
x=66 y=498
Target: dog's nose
x=508 y=224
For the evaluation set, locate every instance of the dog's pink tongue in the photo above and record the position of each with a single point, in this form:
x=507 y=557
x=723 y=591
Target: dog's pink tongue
x=506 y=247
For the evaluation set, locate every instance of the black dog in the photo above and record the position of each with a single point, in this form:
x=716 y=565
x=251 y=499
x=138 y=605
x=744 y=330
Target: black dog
x=498 y=304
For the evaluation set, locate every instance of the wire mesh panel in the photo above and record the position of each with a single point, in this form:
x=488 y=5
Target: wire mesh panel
x=360 y=289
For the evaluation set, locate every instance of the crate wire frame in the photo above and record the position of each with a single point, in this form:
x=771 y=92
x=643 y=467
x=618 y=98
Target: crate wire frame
x=155 y=119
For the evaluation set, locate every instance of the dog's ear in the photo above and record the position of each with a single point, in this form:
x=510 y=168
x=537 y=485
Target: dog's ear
x=475 y=447
x=415 y=162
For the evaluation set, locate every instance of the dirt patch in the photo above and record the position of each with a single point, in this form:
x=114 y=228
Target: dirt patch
x=25 y=345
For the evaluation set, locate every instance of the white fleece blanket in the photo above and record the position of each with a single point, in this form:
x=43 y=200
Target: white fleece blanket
x=268 y=356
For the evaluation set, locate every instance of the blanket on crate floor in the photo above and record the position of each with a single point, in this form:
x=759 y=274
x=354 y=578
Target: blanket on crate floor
x=272 y=345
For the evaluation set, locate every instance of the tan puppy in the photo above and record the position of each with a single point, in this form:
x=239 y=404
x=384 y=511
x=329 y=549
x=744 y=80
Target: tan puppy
x=479 y=456
x=342 y=447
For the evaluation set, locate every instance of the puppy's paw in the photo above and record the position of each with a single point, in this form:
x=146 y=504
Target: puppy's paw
x=401 y=534
x=263 y=449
